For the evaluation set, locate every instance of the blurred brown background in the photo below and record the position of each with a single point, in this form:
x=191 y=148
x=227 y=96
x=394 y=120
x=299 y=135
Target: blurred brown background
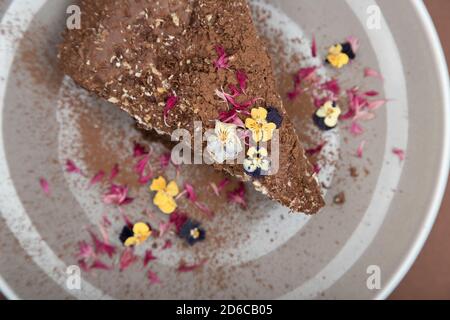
x=429 y=278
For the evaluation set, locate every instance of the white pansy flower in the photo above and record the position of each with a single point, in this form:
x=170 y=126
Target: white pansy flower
x=224 y=144
x=256 y=161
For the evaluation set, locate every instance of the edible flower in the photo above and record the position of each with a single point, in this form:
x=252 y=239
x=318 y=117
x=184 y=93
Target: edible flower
x=135 y=236
x=256 y=162
x=327 y=116
x=224 y=144
x=165 y=193
x=258 y=125
x=340 y=55
x=192 y=232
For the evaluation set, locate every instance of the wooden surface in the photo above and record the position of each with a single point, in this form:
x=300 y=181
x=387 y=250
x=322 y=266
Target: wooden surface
x=429 y=278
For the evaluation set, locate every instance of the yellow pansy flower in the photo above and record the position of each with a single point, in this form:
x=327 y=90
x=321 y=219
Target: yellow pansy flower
x=258 y=125
x=330 y=113
x=165 y=193
x=141 y=232
x=336 y=57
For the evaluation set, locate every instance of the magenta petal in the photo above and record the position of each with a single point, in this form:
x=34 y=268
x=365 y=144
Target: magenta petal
x=153 y=277
x=164 y=160
x=45 y=186
x=138 y=150
x=171 y=102
x=85 y=251
x=127 y=259
x=98 y=264
x=237 y=196
x=97 y=178
x=114 y=172
x=314 y=47
x=399 y=153
x=371 y=93
x=371 y=73
x=183 y=267
x=148 y=257
x=242 y=80
x=356 y=129
x=71 y=167
x=101 y=247
x=190 y=192
x=359 y=151
x=167 y=245
x=374 y=105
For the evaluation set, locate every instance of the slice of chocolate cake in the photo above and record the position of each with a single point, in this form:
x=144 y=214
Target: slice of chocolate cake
x=171 y=63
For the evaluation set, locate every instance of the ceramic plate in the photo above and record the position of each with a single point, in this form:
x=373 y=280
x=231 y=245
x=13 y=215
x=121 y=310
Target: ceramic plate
x=263 y=252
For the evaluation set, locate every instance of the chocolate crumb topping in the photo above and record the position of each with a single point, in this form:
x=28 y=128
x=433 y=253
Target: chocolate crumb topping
x=137 y=54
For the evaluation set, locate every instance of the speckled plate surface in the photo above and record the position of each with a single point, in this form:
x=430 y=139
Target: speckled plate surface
x=268 y=253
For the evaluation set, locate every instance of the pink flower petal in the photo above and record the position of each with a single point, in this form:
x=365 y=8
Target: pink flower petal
x=376 y=104
x=45 y=186
x=97 y=178
x=85 y=251
x=190 y=192
x=242 y=78
x=71 y=167
x=371 y=93
x=167 y=245
x=317 y=168
x=356 y=129
x=315 y=150
x=98 y=264
x=222 y=59
x=140 y=166
x=359 y=151
x=314 y=47
x=164 y=227
x=127 y=259
x=332 y=86
x=205 y=209
x=183 y=267
x=237 y=196
x=117 y=195
x=102 y=247
x=364 y=116
x=171 y=102
x=178 y=219
x=400 y=153
x=153 y=277
x=114 y=172
x=138 y=150
x=148 y=257
x=164 y=160
x=371 y=73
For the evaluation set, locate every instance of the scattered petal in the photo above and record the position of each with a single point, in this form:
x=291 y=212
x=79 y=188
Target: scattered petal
x=117 y=195
x=45 y=186
x=85 y=250
x=314 y=47
x=242 y=80
x=190 y=192
x=183 y=267
x=139 y=150
x=164 y=160
x=375 y=105
x=97 y=178
x=354 y=43
x=164 y=227
x=371 y=73
x=317 y=168
x=171 y=102
x=127 y=259
x=167 y=245
x=356 y=129
x=114 y=172
x=316 y=150
x=360 y=150
x=222 y=59
x=400 y=153
x=178 y=219
x=71 y=167
x=98 y=264
x=102 y=247
x=371 y=93
x=148 y=257
x=237 y=196
x=153 y=277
